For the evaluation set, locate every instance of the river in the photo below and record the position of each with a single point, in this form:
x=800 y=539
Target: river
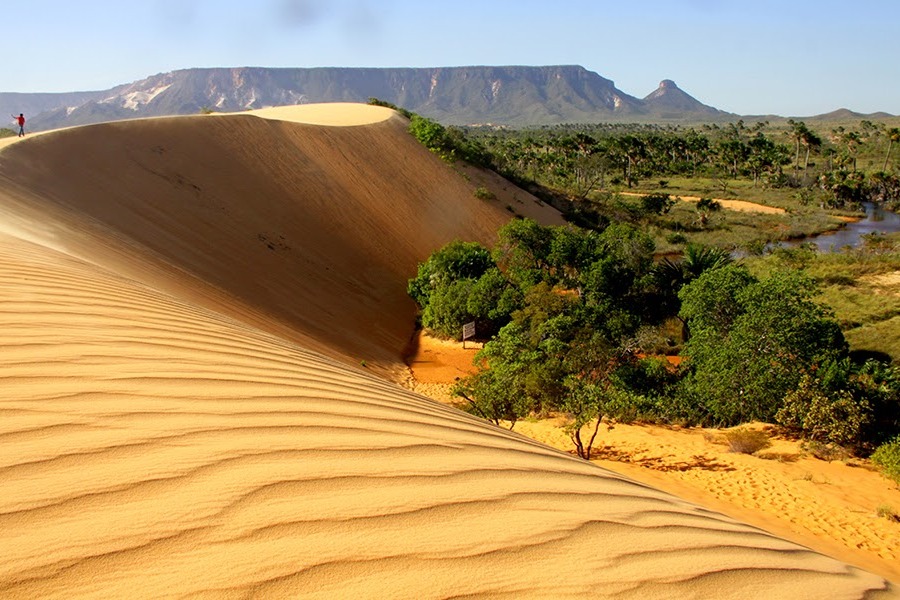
x=877 y=220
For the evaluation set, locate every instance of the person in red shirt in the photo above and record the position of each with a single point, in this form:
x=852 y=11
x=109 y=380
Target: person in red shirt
x=21 y=121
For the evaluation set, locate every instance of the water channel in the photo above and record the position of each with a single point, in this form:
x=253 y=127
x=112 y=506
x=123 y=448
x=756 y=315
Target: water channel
x=877 y=220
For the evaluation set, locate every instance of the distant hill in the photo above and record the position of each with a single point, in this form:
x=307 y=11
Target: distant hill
x=846 y=113
x=670 y=101
x=511 y=95
x=502 y=95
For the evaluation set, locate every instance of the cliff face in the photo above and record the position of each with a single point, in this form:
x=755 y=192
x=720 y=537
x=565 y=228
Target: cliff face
x=515 y=95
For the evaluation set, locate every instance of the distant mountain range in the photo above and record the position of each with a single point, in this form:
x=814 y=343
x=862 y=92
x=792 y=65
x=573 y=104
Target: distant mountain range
x=510 y=95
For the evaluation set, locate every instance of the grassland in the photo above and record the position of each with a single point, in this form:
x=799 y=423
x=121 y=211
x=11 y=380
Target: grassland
x=861 y=287
x=731 y=229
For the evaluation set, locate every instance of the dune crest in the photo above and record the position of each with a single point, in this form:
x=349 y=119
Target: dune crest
x=332 y=114
x=306 y=230
x=169 y=428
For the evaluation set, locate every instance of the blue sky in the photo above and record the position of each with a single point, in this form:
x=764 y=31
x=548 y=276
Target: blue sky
x=789 y=57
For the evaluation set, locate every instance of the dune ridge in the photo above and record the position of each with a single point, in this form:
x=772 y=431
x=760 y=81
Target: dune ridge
x=157 y=441
x=295 y=227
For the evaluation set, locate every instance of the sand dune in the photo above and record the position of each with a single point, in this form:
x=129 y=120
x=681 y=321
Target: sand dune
x=304 y=230
x=181 y=304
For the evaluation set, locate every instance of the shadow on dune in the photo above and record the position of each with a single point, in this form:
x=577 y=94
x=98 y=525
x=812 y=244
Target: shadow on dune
x=306 y=231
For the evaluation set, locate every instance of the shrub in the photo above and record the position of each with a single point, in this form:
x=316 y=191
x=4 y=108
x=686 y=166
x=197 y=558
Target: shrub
x=887 y=458
x=482 y=193
x=708 y=204
x=746 y=441
x=837 y=417
x=826 y=451
x=431 y=134
x=656 y=204
x=402 y=111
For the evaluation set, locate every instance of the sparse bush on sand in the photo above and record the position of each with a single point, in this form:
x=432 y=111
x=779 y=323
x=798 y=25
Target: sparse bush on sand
x=827 y=451
x=746 y=441
x=887 y=512
x=482 y=193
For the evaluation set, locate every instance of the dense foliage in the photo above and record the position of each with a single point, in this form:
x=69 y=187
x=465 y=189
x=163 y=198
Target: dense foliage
x=565 y=314
x=752 y=341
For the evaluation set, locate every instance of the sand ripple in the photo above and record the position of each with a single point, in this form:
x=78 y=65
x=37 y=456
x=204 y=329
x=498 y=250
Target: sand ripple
x=152 y=449
x=167 y=432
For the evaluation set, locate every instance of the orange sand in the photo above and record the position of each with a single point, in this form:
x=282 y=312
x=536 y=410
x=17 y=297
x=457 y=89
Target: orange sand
x=185 y=306
x=828 y=506
x=738 y=205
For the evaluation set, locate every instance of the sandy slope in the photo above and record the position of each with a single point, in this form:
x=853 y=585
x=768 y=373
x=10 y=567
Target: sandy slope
x=829 y=506
x=308 y=231
x=166 y=430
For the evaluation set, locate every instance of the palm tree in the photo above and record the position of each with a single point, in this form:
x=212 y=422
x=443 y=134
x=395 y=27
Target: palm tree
x=799 y=130
x=810 y=140
x=671 y=275
x=850 y=140
x=893 y=135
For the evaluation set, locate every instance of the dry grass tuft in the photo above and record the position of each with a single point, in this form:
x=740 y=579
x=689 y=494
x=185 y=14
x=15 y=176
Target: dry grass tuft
x=746 y=441
x=887 y=512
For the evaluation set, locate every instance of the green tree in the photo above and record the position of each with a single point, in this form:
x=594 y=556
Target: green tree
x=501 y=389
x=591 y=390
x=457 y=260
x=617 y=286
x=523 y=250
x=732 y=154
x=672 y=275
x=811 y=141
x=752 y=341
x=628 y=151
x=849 y=142
x=798 y=131
x=430 y=133
x=460 y=283
x=823 y=415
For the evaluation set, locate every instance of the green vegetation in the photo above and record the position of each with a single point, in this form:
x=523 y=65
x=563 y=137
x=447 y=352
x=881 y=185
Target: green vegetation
x=569 y=316
x=887 y=458
x=482 y=193
x=402 y=111
x=575 y=318
x=590 y=172
x=885 y=511
x=860 y=285
x=450 y=143
x=6 y=132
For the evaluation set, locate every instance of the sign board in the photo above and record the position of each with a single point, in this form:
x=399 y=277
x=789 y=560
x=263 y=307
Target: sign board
x=468 y=332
